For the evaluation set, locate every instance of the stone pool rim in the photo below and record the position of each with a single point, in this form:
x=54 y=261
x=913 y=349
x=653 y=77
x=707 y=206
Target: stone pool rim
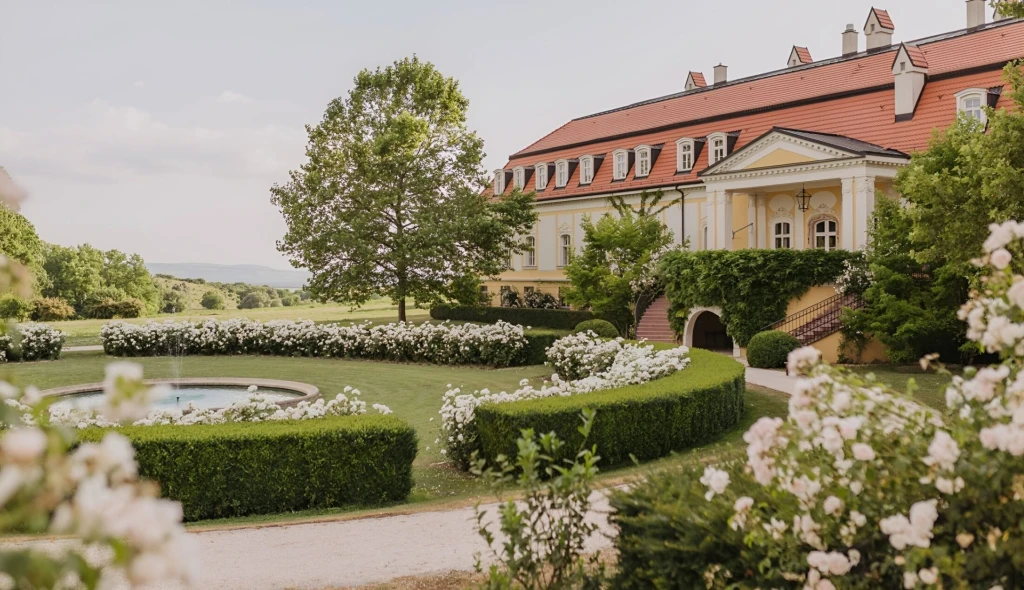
x=309 y=393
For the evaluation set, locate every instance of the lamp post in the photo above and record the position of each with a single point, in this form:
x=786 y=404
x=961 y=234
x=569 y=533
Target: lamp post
x=803 y=199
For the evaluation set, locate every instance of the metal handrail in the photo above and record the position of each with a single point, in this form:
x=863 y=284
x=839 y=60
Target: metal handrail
x=826 y=311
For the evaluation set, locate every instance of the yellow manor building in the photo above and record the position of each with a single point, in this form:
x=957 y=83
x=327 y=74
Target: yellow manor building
x=793 y=158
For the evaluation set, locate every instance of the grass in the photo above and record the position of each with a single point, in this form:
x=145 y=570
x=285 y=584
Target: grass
x=929 y=387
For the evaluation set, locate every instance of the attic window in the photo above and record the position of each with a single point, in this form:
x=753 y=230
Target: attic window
x=621 y=164
x=643 y=161
x=719 y=148
x=518 y=177
x=684 y=155
x=542 y=175
x=561 y=173
x=971 y=102
x=499 y=182
x=903 y=66
x=586 y=169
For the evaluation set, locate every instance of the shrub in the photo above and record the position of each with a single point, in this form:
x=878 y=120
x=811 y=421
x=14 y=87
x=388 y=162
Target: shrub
x=769 y=350
x=51 y=309
x=212 y=299
x=539 y=300
x=275 y=303
x=227 y=470
x=554 y=319
x=510 y=298
x=32 y=342
x=174 y=301
x=15 y=308
x=602 y=328
x=645 y=421
x=109 y=309
x=254 y=300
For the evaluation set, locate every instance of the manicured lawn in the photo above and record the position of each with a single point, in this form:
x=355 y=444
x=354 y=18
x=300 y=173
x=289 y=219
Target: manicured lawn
x=930 y=387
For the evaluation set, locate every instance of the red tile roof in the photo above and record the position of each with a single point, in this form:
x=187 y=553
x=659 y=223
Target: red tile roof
x=804 y=54
x=917 y=56
x=883 y=18
x=698 y=79
x=844 y=96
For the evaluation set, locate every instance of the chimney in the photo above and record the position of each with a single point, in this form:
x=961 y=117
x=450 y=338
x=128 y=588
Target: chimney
x=975 y=13
x=799 y=56
x=695 y=80
x=910 y=70
x=878 y=29
x=851 y=39
x=721 y=74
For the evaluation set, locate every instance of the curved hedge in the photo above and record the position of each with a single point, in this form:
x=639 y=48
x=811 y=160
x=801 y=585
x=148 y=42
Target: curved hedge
x=645 y=421
x=555 y=319
x=236 y=469
x=770 y=349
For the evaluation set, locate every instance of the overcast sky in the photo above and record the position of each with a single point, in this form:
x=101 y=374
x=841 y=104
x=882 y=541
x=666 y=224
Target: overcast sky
x=158 y=127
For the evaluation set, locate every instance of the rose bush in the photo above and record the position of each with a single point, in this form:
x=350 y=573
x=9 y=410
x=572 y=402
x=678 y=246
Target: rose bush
x=31 y=342
x=860 y=486
x=498 y=345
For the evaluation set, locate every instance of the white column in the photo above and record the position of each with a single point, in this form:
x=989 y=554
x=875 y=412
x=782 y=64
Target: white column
x=762 y=221
x=846 y=231
x=751 y=220
x=799 y=240
x=723 y=220
x=865 y=207
x=710 y=211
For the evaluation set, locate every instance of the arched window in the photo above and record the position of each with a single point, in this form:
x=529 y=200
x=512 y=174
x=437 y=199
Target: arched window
x=565 y=249
x=824 y=234
x=643 y=161
x=499 y=182
x=586 y=169
x=971 y=102
x=719 y=148
x=707 y=246
x=782 y=235
x=530 y=256
x=684 y=155
x=561 y=173
x=621 y=158
x=518 y=177
x=542 y=175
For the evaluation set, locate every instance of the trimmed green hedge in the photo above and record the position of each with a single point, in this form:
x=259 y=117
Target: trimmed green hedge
x=770 y=350
x=537 y=344
x=236 y=469
x=645 y=421
x=556 y=319
x=602 y=328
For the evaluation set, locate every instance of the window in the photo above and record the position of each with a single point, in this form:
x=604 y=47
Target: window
x=621 y=164
x=707 y=245
x=542 y=175
x=561 y=173
x=971 y=102
x=643 y=161
x=565 y=251
x=586 y=169
x=484 y=295
x=719 y=148
x=783 y=235
x=530 y=256
x=519 y=177
x=825 y=234
x=684 y=155
x=499 y=182
x=508 y=260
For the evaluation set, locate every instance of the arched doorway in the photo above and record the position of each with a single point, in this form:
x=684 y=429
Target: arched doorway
x=706 y=330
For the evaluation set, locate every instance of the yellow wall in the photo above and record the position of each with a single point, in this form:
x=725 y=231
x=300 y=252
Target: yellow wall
x=779 y=157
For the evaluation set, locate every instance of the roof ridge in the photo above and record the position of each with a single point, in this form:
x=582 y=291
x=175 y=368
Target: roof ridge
x=554 y=131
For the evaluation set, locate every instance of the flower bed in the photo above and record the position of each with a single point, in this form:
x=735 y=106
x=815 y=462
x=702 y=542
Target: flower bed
x=498 y=345
x=32 y=342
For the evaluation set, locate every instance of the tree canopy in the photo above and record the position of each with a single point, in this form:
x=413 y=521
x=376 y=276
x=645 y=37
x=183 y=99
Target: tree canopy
x=19 y=242
x=390 y=201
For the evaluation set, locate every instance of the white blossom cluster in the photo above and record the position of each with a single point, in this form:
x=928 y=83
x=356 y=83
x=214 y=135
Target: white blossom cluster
x=630 y=364
x=32 y=342
x=499 y=345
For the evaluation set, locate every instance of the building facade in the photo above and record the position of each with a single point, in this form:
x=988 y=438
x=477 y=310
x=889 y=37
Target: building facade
x=793 y=158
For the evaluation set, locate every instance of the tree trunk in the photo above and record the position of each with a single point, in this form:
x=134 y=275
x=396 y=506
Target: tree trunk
x=401 y=309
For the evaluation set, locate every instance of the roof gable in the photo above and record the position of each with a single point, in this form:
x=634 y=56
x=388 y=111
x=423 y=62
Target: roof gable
x=881 y=17
x=911 y=54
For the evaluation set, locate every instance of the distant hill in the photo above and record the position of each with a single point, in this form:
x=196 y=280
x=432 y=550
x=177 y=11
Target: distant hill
x=253 y=274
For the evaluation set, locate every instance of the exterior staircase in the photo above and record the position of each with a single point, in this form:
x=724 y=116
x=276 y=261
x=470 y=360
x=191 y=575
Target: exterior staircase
x=654 y=325
x=819 y=320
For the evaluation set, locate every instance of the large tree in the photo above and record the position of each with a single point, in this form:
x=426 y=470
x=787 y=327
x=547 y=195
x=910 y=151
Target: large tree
x=19 y=242
x=390 y=201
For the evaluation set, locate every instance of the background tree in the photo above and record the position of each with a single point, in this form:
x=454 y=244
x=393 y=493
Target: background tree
x=390 y=201
x=19 y=242
x=129 y=274
x=1010 y=8
x=212 y=299
x=73 y=273
x=615 y=275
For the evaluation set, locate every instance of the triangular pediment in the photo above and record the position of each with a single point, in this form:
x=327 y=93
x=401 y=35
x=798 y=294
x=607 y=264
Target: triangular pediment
x=778 y=148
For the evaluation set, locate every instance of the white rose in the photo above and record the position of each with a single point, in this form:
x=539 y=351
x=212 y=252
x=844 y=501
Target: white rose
x=23 y=446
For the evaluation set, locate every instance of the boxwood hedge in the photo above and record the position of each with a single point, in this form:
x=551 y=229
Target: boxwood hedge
x=645 y=421
x=237 y=469
x=556 y=319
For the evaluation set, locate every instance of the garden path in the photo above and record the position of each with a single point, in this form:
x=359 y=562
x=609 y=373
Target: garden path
x=777 y=380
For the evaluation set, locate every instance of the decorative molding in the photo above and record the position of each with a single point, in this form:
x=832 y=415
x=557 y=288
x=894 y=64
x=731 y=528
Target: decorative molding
x=837 y=164
x=750 y=153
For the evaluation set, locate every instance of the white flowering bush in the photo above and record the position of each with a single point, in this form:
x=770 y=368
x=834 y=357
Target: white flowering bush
x=31 y=342
x=855 y=278
x=499 y=345
x=596 y=365
x=861 y=487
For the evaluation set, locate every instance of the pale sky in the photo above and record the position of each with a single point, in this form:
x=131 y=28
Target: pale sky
x=158 y=127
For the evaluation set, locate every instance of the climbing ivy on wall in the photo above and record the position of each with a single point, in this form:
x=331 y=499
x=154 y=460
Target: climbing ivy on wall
x=752 y=287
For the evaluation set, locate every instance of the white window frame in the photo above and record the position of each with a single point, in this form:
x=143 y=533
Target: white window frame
x=586 y=169
x=713 y=156
x=499 y=181
x=561 y=173
x=681 y=163
x=519 y=177
x=620 y=173
x=826 y=234
x=643 y=153
x=530 y=254
x=971 y=93
x=541 y=173
x=782 y=240
x=564 y=249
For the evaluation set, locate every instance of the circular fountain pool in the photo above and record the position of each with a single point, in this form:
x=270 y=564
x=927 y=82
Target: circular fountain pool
x=218 y=392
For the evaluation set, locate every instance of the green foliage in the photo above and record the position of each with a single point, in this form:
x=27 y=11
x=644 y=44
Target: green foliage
x=510 y=297
x=769 y=350
x=173 y=302
x=254 y=300
x=545 y=531
x=19 y=241
x=540 y=300
x=602 y=328
x=537 y=344
x=15 y=308
x=86 y=277
x=1010 y=8
x=390 y=200
x=51 y=309
x=645 y=421
x=752 y=287
x=106 y=309
x=212 y=299
x=555 y=319
x=467 y=290
x=615 y=273
x=129 y=275
x=235 y=469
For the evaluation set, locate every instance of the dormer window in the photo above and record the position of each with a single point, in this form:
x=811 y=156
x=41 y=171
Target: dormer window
x=621 y=158
x=518 y=177
x=499 y=182
x=586 y=169
x=541 y=173
x=971 y=102
x=561 y=173
x=643 y=161
x=684 y=155
x=719 y=148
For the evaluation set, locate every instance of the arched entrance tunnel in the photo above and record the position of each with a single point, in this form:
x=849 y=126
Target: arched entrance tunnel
x=709 y=333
